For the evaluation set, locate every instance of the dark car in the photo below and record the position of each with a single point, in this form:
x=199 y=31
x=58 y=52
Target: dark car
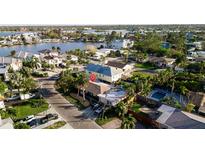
x=44 y=120
x=33 y=123
x=51 y=116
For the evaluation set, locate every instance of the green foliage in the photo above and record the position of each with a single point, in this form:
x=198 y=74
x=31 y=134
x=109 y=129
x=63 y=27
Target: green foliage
x=190 y=107
x=39 y=74
x=128 y=122
x=36 y=103
x=56 y=125
x=21 y=126
x=121 y=109
x=3 y=87
x=26 y=108
x=135 y=107
x=4 y=114
x=102 y=121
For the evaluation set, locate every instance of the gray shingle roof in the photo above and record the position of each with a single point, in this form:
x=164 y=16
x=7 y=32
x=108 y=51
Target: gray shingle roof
x=179 y=120
x=105 y=70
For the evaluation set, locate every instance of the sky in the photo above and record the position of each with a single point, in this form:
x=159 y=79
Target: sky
x=80 y=12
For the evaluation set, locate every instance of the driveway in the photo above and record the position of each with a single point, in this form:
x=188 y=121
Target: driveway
x=68 y=111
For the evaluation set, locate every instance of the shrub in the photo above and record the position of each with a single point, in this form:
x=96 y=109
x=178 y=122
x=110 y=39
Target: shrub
x=36 y=102
x=21 y=126
x=38 y=74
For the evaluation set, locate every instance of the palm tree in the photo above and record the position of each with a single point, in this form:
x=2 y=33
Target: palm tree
x=15 y=81
x=35 y=64
x=82 y=82
x=13 y=53
x=25 y=71
x=128 y=122
x=58 y=49
x=121 y=109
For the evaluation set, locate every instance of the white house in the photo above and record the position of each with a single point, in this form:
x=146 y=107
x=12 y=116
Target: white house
x=15 y=63
x=74 y=58
x=125 y=68
x=105 y=73
x=127 y=43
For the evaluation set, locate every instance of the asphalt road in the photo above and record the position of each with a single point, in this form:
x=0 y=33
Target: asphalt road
x=68 y=111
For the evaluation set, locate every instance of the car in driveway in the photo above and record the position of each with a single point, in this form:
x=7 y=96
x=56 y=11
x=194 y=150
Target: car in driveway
x=13 y=98
x=95 y=106
x=48 y=118
x=52 y=116
x=33 y=123
x=98 y=111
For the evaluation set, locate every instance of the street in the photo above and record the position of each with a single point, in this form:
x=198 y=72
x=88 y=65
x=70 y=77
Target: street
x=68 y=111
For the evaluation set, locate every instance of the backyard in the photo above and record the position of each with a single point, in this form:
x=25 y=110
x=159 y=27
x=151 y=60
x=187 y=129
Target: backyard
x=146 y=66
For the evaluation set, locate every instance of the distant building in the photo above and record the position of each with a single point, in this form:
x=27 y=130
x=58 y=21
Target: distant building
x=162 y=61
x=14 y=63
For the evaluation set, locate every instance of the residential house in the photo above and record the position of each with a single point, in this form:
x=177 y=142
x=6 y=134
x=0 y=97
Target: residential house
x=162 y=62
x=113 y=96
x=102 y=53
x=105 y=73
x=198 y=99
x=51 y=57
x=95 y=88
x=125 y=68
x=74 y=58
x=14 y=63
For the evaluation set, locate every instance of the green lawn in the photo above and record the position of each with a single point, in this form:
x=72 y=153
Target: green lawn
x=102 y=121
x=56 y=125
x=76 y=102
x=26 y=109
x=146 y=66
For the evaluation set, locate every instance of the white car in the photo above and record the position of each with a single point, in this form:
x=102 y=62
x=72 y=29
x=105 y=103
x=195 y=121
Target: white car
x=28 y=119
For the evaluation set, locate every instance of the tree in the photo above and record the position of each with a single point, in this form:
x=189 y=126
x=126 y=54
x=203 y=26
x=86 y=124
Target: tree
x=21 y=126
x=58 y=49
x=28 y=84
x=91 y=49
x=25 y=71
x=3 y=87
x=82 y=82
x=190 y=107
x=128 y=122
x=140 y=56
x=13 y=53
x=121 y=109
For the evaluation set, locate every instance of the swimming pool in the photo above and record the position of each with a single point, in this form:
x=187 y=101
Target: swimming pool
x=158 y=95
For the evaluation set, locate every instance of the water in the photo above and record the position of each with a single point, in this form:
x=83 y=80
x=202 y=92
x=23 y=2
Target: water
x=5 y=51
x=9 y=33
x=34 y=48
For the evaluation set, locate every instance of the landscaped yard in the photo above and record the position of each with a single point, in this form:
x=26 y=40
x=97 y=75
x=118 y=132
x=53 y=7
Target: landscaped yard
x=30 y=107
x=76 y=102
x=146 y=66
x=102 y=121
x=56 y=125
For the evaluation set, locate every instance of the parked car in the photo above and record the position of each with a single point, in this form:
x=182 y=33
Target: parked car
x=33 y=123
x=98 y=111
x=43 y=120
x=13 y=98
x=95 y=106
x=51 y=116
